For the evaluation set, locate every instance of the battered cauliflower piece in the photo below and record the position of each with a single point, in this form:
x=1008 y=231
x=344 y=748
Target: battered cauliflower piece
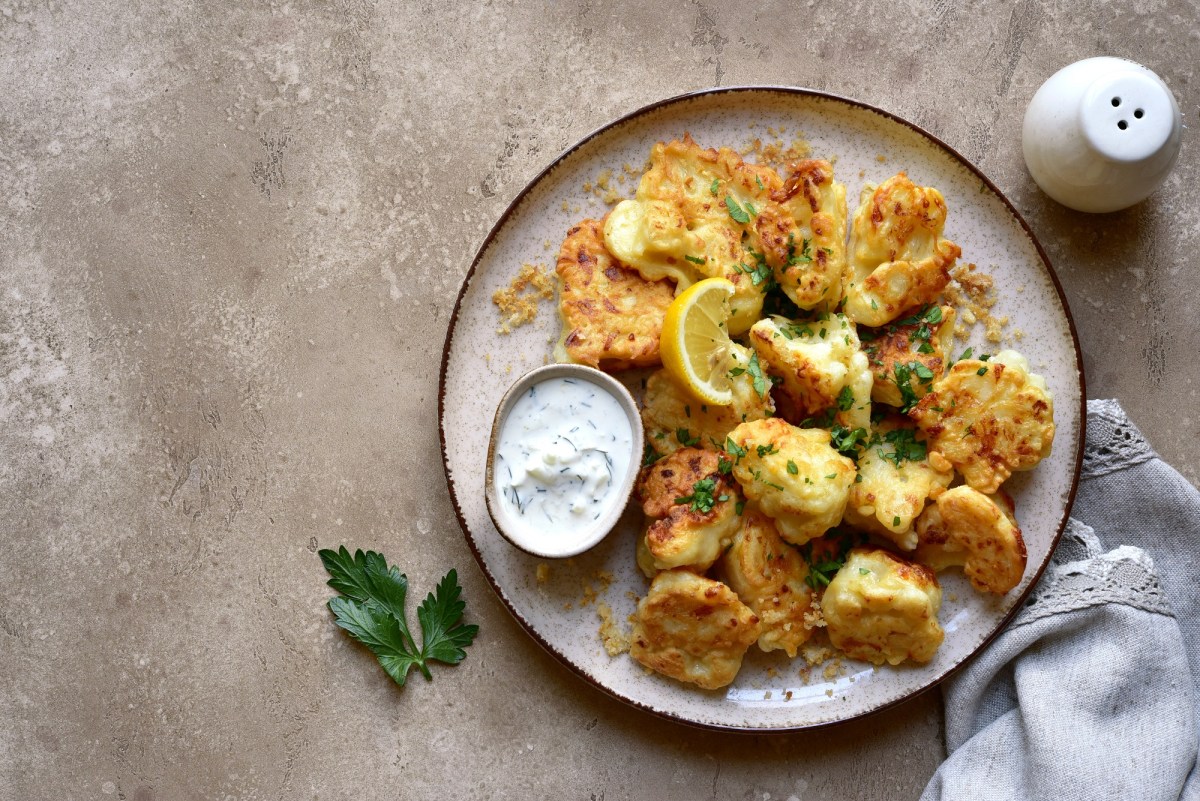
x=989 y=419
x=768 y=575
x=674 y=419
x=882 y=608
x=693 y=218
x=976 y=532
x=819 y=365
x=696 y=507
x=896 y=478
x=908 y=355
x=611 y=316
x=692 y=629
x=898 y=259
x=803 y=234
x=794 y=474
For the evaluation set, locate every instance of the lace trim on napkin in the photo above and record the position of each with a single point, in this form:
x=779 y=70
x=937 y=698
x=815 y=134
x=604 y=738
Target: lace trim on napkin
x=1080 y=576
x=1113 y=442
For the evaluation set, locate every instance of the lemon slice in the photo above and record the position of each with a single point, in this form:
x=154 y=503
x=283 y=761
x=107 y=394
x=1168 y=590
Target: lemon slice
x=695 y=347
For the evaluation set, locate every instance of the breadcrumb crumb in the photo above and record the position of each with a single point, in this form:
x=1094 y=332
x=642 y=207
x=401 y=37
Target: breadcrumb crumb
x=518 y=302
x=615 y=639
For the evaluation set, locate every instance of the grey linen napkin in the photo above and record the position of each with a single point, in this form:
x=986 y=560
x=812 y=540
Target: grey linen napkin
x=1091 y=691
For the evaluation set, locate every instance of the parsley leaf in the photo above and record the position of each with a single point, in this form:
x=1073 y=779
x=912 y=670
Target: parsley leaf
x=905 y=446
x=685 y=438
x=792 y=468
x=695 y=260
x=756 y=373
x=845 y=398
x=371 y=609
x=701 y=499
x=735 y=211
x=846 y=441
x=716 y=186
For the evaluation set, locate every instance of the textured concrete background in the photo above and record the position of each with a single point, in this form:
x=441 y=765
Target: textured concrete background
x=231 y=237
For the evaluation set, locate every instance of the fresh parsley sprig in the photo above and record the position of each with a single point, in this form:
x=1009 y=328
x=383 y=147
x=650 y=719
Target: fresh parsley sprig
x=371 y=610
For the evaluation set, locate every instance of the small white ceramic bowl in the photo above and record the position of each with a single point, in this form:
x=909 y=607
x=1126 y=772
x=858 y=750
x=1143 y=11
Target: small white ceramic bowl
x=571 y=544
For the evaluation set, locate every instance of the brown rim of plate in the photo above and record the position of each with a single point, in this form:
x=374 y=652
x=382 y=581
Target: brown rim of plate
x=801 y=92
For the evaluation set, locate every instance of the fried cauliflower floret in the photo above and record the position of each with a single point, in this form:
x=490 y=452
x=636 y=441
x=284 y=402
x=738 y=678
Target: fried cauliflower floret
x=897 y=477
x=673 y=418
x=908 y=355
x=898 y=259
x=819 y=365
x=977 y=532
x=768 y=575
x=611 y=316
x=692 y=629
x=683 y=223
x=989 y=419
x=794 y=474
x=696 y=508
x=882 y=608
x=803 y=233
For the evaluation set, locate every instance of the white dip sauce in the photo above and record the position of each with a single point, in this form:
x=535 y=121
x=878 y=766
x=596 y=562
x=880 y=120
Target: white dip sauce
x=563 y=451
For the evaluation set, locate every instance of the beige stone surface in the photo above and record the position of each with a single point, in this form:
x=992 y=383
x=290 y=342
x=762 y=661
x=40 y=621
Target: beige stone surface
x=230 y=238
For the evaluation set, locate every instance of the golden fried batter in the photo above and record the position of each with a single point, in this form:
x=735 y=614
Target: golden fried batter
x=977 y=532
x=692 y=629
x=919 y=345
x=611 y=316
x=768 y=575
x=819 y=365
x=696 y=507
x=989 y=419
x=688 y=218
x=802 y=234
x=883 y=608
x=794 y=474
x=896 y=478
x=673 y=418
x=898 y=259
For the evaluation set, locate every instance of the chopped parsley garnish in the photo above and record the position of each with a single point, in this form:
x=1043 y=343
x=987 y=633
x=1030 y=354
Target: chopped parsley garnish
x=696 y=260
x=716 y=186
x=905 y=446
x=756 y=373
x=701 y=499
x=803 y=257
x=903 y=377
x=767 y=450
x=685 y=438
x=370 y=609
x=845 y=399
x=821 y=573
x=735 y=211
x=981 y=371
x=792 y=469
x=650 y=455
x=760 y=273
x=847 y=441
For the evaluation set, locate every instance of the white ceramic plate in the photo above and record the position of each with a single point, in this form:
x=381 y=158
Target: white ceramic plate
x=771 y=692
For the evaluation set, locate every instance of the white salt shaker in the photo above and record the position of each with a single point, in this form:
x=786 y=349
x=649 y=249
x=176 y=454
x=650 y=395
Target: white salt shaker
x=1101 y=134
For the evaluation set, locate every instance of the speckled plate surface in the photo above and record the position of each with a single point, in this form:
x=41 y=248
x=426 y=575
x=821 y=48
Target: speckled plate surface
x=560 y=611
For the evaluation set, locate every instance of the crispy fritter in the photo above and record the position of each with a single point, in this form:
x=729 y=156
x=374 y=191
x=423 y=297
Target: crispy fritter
x=794 y=474
x=883 y=608
x=802 y=234
x=673 y=418
x=989 y=419
x=768 y=575
x=819 y=365
x=897 y=476
x=692 y=629
x=611 y=316
x=898 y=259
x=683 y=223
x=908 y=355
x=696 y=507
x=977 y=532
